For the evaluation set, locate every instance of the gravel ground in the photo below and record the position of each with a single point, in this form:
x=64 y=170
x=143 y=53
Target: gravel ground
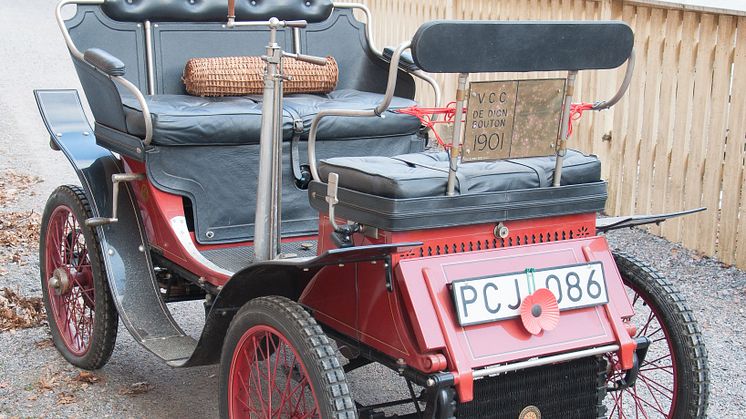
x=36 y=382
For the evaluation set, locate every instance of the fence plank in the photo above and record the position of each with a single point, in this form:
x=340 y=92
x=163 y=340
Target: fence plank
x=713 y=168
x=648 y=139
x=684 y=89
x=733 y=230
x=664 y=141
x=635 y=117
x=699 y=115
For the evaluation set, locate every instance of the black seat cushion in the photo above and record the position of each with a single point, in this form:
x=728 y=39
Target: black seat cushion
x=305 y=107
x=192 y=120
x=426 y=174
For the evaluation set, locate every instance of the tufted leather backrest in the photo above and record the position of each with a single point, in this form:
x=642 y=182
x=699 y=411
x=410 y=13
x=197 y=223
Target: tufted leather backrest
x=216 y=10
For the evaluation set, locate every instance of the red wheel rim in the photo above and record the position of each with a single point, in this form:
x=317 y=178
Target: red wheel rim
x=268 y=379
x=654 y=394
x=69 y=280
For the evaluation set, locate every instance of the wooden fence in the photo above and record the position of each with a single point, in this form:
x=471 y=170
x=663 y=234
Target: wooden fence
x=676 y=141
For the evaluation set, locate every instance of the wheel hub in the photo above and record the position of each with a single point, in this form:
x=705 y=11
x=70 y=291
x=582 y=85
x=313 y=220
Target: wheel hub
x=60 y=281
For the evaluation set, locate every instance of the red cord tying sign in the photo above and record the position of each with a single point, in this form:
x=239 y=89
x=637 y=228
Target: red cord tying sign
x=427 y=117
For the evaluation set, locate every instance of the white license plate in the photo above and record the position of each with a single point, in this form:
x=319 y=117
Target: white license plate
x=494 y=298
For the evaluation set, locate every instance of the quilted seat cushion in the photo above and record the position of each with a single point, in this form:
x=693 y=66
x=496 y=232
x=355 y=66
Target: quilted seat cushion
x=426 y=174
x=191 y=120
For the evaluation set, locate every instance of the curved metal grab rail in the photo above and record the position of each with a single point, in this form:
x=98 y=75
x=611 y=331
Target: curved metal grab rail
x=377 y=111
x=369 y=36
x=606 y=104
x=121 y=80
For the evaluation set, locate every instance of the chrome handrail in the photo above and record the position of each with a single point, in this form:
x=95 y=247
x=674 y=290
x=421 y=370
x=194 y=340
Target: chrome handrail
x=121 y=80
x=606 y=104
x=369 y=37
x=377 y=111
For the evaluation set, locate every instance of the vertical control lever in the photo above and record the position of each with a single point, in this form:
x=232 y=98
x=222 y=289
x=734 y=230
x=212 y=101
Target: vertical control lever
x=115 y=179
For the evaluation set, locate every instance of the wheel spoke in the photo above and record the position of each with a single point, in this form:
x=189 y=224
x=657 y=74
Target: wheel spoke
x=656 y=388
x=270 y=388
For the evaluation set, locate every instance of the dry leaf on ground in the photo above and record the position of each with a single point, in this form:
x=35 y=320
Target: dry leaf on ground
x=65 y=398
x=136 y=388
x=13 y=184
x=44 y=343
x=48 y=382
x=18 y=312
x=19 y=232
x=87 y=377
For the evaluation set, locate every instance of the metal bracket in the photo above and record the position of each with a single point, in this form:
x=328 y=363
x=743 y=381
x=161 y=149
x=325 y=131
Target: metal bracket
x=115 y=179
x=342 y=235
x=389 y=273
x=630 y=378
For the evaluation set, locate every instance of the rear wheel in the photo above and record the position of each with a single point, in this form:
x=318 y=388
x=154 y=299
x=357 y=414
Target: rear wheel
x=278 y=363
x=80 y=310
x=673 y=381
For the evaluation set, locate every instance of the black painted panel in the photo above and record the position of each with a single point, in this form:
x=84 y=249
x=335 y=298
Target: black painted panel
x=482 y=46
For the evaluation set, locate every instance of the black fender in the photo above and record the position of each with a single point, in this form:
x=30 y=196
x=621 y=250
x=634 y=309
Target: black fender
x=613 y=223
x=286 y=277
x=124 y=244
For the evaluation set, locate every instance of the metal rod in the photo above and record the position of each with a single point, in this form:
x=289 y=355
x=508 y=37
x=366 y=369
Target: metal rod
x=149 y=56
x=377 y=111
x=61 y=22
x=296 y=40
x=265 y=223
x=606 y=104
x=369 y=37
x=564 y=125
x=143 y=105
x=368 y=22
x=455 y=148
x=277 y=166
x=536 y=362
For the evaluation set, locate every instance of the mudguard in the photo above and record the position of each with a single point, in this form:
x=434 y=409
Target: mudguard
x=613 y=223
x=124 y=244
x=286 y=277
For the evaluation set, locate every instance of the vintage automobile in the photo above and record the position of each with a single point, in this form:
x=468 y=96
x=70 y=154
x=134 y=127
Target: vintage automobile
x=327 y=231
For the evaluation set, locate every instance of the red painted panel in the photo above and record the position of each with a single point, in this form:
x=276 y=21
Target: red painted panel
x=507 y=340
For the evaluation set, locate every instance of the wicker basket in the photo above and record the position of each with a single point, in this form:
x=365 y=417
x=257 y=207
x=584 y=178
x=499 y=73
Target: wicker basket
x=237 y=76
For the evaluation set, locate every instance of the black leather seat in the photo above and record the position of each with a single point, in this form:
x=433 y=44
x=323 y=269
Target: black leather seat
x=425 y=174
x=191 y=120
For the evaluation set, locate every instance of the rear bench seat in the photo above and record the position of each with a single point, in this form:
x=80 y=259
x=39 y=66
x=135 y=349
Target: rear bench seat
x=408 y=192
x=420 y=175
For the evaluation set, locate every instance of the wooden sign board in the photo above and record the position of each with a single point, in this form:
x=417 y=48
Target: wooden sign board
x=517 y=118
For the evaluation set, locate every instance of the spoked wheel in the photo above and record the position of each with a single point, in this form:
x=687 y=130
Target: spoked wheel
x=278 y=363
x=80 y=310
x=673 y=380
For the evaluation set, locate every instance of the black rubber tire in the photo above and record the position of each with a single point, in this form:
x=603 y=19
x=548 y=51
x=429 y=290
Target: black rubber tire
x=106 y=320
x=313 y=346
x=689 y=348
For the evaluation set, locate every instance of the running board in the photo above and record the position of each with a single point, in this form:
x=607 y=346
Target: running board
x=124 y=244
x=612 y=223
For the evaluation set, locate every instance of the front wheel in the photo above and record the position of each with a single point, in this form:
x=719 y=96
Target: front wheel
x=278 y=363
x=673 y=381
x=80 y=310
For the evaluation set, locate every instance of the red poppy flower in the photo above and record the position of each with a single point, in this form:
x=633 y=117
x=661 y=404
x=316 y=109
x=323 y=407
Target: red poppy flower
x=539 y=311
